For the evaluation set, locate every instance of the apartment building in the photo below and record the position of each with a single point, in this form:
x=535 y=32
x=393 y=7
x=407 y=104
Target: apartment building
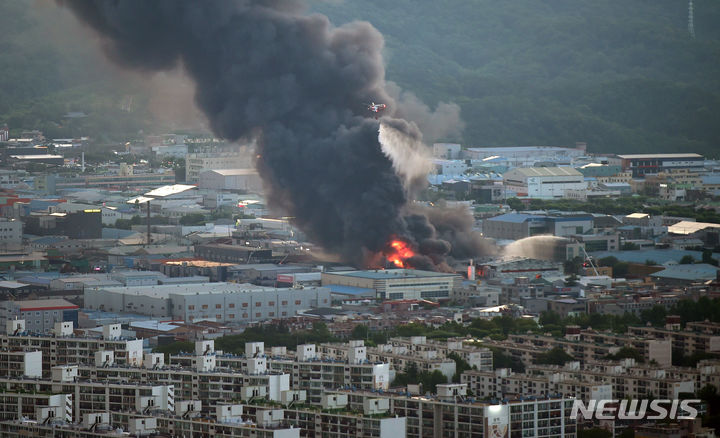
x=85 y=396
x=21 y=363
x=452 y=413
x=142 y=426
x=198 y=376
x=307 y=370
x=585 y=346
x=477 y=357
x=64 y=347
x=699 y=337
x=14 y=405
x=336 y=419
x=398 y=358
x=600 y=381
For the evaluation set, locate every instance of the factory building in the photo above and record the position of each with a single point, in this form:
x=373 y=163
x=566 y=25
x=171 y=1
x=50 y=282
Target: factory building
x=242 y=180
x=652 y=164
x=396 y=284
x=543 y=182
x=221 y=302
x=40 y=316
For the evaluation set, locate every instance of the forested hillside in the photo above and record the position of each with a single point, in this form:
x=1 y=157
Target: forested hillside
x=49 y=68
x=620 y=75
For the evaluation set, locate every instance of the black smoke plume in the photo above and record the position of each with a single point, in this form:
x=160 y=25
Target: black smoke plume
x=266 y=70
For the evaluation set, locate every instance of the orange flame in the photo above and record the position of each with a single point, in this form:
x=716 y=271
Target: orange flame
x=399 y=252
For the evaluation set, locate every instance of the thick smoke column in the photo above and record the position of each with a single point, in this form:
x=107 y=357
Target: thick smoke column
x=264 y=70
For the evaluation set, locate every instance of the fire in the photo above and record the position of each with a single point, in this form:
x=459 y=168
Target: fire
x=399 y=252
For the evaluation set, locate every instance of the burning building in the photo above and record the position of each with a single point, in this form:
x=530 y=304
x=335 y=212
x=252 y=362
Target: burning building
x=271 y=74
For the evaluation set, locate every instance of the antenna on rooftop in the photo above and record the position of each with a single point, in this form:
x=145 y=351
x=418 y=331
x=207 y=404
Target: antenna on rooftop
x=691 y=19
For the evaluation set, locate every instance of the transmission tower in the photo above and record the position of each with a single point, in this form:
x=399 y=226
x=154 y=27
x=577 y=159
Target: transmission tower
x=691 y=20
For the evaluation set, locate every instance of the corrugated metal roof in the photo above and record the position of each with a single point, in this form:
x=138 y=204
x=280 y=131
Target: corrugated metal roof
x=548 y=171
x=687 y=227
x=656 y=156
x=516 y=218
x=694 y=272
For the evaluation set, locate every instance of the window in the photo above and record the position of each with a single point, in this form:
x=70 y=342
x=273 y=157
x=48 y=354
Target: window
x=298 y=302
x=245 y=315
x=245 y=304
x=271 y=303
x=258 y=315
x=258 y=304
x=284 y=314
x=231 y=305
x=191 y=307
x=231 y=316
x=284 y=302
x=271 y=313
x=204 y=306
x=218 y=316
x=218 y=306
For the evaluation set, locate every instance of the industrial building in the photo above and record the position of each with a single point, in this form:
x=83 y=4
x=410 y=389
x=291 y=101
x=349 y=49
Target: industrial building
x=221 y=302
x=543 y=182
x=40 y=316
x=515 y=226
x=526 y=156
x=652 y=164
x=197 y=163
x=10 y=234
x=239 y=180
x=85 y=224
x=396 y=284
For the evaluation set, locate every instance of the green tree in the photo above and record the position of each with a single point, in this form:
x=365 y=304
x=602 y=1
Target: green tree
x=555 y=356
x=655 y=315
x=174 y=348
x=361 y=331
x=461 y=366
x=192 y=219
x=515 y=204
x=123 y=224
x=627 y=353
x=687 y=260
x=708 y=258
x=573 y=266
x=504 y=360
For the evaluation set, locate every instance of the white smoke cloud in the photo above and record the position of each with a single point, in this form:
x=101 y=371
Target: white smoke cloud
x=411 y=159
